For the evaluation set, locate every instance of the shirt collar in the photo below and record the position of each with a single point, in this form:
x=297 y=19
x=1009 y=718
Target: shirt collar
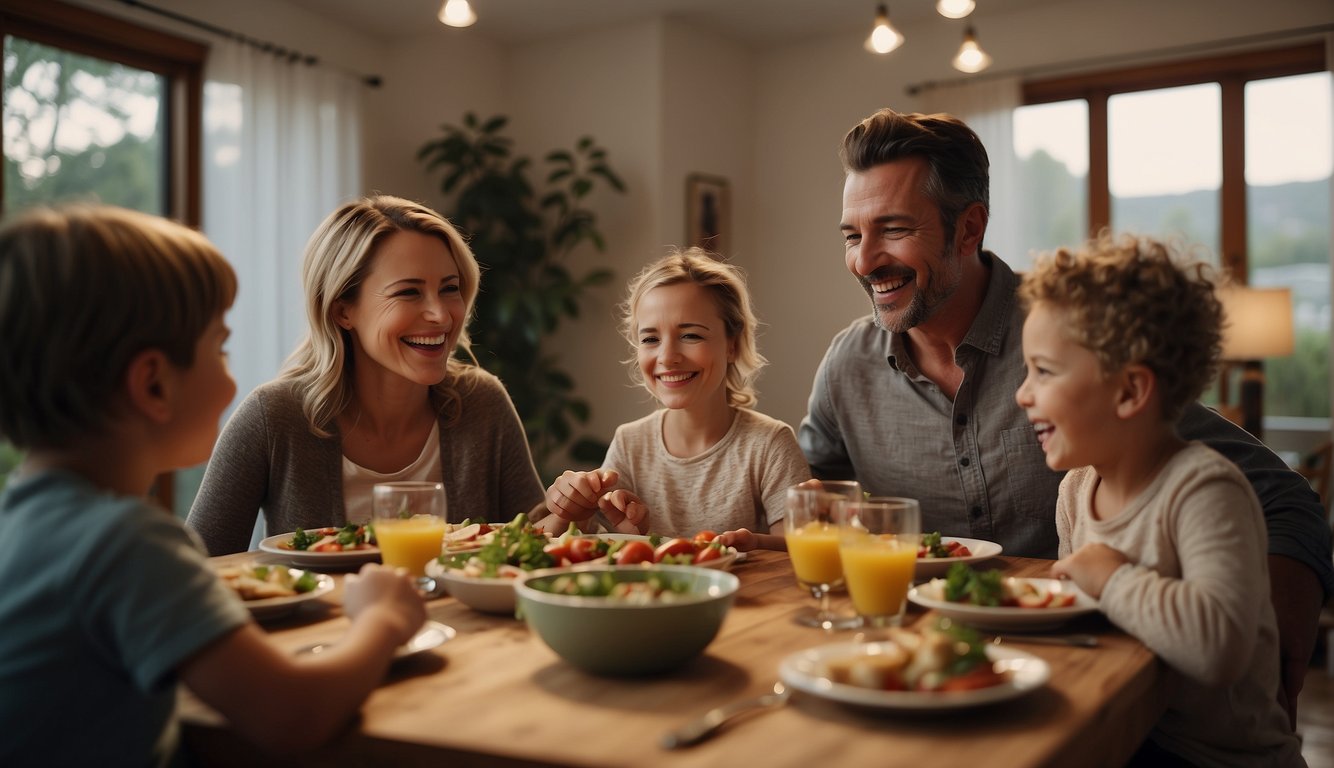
x=989 y=327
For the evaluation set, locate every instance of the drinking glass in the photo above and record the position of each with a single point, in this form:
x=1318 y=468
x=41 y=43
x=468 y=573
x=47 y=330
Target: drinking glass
x=409 y=522
x=877 y=544
x=812 y=544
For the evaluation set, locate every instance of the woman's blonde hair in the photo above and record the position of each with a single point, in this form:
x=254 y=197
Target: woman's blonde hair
x=338 y=257
x=83 y=290
x=727 y=285
x=1131 y=299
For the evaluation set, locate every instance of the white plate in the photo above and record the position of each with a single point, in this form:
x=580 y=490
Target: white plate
x=317 y=559
x=275 y=607
x=1003 y=618
x=929 y=567
x=480 y=594
x=804 y=671
x=433 y=634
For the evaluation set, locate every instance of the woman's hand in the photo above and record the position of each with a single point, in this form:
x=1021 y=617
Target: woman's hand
x=574 y=496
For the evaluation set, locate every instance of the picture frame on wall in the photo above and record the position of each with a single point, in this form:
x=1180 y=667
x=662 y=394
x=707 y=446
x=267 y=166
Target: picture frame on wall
x=709 y=213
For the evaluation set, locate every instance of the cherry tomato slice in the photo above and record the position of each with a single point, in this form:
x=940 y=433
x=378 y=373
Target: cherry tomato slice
x=673 y=547
x=634 y=552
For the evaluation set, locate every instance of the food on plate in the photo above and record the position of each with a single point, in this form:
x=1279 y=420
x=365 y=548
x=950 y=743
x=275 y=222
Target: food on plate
x=989 y=589
x=655 y=589
x=947 y=657
x=261 y=582
x=933 y=546
x=469 y=534
x=350 y=538
x=517 y=547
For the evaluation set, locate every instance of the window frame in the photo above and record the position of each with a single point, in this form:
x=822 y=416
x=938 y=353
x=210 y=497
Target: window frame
x=178 y=60
x=1231 y=72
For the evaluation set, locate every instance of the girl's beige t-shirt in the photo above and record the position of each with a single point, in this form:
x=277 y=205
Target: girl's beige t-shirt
x=739 y=482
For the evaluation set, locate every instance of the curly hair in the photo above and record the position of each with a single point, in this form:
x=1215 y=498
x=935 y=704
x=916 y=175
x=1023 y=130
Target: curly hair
x=338 y=257
x=1132 y=299
x=727 y=284
x=83 y=289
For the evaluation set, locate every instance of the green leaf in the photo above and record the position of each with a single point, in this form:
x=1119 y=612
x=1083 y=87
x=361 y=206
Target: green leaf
x=495 y=124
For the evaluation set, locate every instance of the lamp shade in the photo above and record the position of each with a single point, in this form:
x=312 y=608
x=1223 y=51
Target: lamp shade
x=1257 y=322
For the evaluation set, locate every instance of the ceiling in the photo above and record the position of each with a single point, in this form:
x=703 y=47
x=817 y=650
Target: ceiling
x=757 y=22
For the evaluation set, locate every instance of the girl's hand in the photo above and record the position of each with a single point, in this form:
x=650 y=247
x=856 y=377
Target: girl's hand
x=745 y=540
x=574 y=496
x=1090 y=567
x=626 y=512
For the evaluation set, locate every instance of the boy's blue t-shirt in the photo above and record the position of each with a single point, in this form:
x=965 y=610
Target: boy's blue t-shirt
x=102 y=597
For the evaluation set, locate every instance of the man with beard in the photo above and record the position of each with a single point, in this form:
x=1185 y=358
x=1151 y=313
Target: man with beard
x=918 y=399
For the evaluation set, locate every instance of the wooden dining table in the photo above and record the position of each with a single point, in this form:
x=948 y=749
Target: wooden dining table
x=495 y=695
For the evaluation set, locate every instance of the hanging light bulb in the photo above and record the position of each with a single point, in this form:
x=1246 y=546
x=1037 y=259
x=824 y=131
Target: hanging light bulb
x=955 y=9
x=971 y=58
x=457 y=13
x=884 y=37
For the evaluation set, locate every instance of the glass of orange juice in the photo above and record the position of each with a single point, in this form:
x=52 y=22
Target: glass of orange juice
x=409 y=522
x=877 y=544
x=812 y=544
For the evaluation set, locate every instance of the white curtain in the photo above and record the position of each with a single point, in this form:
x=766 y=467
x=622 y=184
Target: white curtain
x=988 y=108
x=281 y=150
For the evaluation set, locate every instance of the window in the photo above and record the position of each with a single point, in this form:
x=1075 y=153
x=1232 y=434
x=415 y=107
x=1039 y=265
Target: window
x=1230 y=153
x=98 y=109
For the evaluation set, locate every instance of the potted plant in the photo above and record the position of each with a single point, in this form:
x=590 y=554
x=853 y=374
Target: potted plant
x=522 y=241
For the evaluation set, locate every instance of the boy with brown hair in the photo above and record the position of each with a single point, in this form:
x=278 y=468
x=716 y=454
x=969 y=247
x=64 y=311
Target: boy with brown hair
x=112 y=370
x=1166 y=533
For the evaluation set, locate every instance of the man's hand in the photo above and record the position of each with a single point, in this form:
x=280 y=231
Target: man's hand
x=1297 y=597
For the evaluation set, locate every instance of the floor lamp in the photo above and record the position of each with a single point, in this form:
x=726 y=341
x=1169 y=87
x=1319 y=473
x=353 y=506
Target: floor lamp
x=1257 y=325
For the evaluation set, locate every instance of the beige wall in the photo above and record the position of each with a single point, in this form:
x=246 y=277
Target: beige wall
x=667 y=100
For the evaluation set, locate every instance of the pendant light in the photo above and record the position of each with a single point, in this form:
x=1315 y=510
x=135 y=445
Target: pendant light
x=457 y=13
x=884 y=37
x=955 y=9
x=971 y=58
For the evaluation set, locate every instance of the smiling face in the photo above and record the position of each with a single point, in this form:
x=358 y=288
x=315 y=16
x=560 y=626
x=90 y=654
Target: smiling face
x=896 y=245
x=1068 y=398
x=408 y=312
x=682 y=348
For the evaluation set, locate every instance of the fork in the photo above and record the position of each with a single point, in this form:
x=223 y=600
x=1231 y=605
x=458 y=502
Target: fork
x=706 y=725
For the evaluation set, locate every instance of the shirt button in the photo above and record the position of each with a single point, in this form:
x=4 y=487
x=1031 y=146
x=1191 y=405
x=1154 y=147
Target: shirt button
x=975 y=511
x=964 y=461
x=961 y=420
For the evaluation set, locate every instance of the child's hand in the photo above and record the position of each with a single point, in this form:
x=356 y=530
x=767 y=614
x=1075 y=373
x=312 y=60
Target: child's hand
x=1090 y=567
x=574 y=496
x=391 y=592
x=742 y=539
x=626 y=512
x=745 y=540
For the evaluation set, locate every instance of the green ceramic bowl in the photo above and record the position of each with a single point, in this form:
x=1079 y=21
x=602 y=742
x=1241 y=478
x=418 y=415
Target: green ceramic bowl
x=608 y=636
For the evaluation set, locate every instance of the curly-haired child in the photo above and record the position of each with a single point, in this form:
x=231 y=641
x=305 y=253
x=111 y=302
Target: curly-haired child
x=1121 y=335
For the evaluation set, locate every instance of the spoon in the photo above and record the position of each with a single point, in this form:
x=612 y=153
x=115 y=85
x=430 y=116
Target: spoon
x=708 y=724
x=1079 y=641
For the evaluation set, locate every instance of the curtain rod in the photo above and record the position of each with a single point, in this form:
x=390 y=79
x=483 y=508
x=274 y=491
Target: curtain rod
x=373 y=81
x=1070 y=66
